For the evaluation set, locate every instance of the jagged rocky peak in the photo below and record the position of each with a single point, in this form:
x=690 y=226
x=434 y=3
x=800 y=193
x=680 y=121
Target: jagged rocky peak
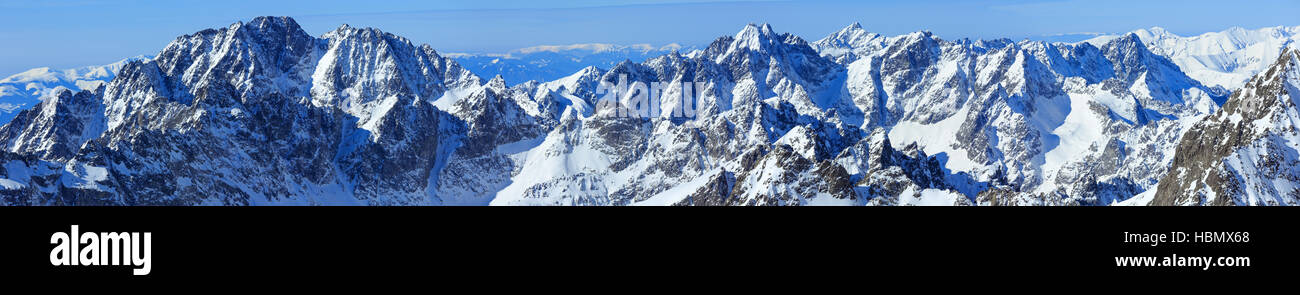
x=1226 y=59
x=1272 y=89
x=1163 y=83
x=916 y=49
x=377 y=37
x=849 y=44
x=854 y=29
x=589 y=70
x=1000 y=43
x=266 y=58
x=497 y=84
x=586 y=74
x=56 y=128
x=1248 y=153
x=761 y=55
x=361 y=65
x=632 y=71
x=278 y=43
x=1130 y=55
x=582 y=83
x=756 y=37
x=222 y=117
x=851 y=37
x=921 y=35
x=276 y=26
x=759 y=41
x=1132 y=60
x=260 y=112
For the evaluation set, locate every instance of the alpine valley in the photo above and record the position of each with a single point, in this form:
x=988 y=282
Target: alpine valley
x=261 y=113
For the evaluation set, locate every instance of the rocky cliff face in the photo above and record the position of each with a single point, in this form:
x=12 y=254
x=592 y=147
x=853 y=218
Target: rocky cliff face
x=1246 y=154
x=262 y=113
x=255 y=113
x=58 y=127
x=1032 y=119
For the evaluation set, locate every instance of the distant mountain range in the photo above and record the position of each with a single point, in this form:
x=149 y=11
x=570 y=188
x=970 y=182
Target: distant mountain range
x=23 y=90
x=261 y=113
x=1226 y=59
x=551 y=62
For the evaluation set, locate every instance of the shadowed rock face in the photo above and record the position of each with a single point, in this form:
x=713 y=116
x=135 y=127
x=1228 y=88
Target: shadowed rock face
x=1246 y=153
x=253 y=113
x=58 y=126
x=262 y=113
x=764 y=91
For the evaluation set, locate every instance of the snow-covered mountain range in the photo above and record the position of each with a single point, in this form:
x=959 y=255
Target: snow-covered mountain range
x=551 y=62
x=1227 y=59
x=262 y=113
x=23 y=90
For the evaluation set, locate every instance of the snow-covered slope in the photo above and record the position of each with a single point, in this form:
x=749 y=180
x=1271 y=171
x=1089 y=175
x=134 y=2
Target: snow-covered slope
x=58 y=126
x=23 y=90
x=1024 y=123
x=262 y=113
x=552 y=62
x=255 y=113
x=1246 y=154
x=849 y=44
x=758 y=85
x=1226 y=59
x=1040 y=123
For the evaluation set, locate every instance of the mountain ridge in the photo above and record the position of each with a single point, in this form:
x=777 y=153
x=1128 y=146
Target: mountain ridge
x=262 y=113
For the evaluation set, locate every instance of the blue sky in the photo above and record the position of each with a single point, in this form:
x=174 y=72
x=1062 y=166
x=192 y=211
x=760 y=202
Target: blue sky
x=70 y=33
